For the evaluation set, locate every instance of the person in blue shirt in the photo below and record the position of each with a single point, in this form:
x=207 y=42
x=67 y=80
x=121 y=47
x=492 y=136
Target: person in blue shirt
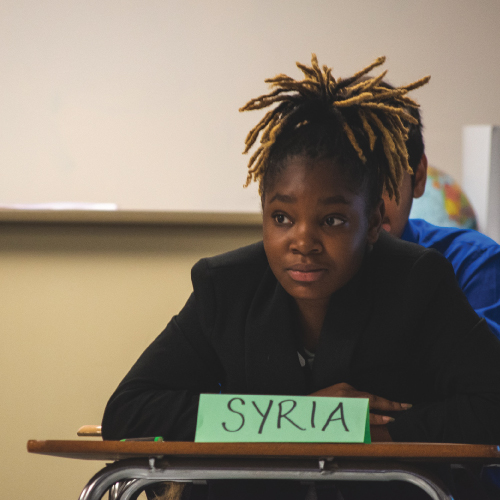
x=474 y=257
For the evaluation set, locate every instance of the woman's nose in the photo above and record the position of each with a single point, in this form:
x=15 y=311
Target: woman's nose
x=305 y=240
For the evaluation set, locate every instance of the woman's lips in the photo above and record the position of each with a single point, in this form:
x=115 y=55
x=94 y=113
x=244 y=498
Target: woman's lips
x=309 y=275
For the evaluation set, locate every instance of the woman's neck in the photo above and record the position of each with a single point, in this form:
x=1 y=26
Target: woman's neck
x=311 y=316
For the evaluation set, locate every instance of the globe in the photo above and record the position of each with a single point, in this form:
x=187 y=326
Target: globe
x=443 y=203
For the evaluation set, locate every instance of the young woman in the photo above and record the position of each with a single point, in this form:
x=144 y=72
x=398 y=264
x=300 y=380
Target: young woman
x=327 y=304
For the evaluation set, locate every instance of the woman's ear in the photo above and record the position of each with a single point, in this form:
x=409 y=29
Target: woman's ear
x=375 y=222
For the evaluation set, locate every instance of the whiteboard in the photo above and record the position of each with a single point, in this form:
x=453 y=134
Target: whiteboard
x=135 y=102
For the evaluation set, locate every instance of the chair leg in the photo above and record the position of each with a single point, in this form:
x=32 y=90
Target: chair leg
x=115 y=492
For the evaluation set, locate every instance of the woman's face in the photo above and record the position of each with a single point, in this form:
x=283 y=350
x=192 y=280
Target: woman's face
x=316 y=229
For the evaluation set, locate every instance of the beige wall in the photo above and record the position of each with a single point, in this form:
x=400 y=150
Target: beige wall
x=78 y=305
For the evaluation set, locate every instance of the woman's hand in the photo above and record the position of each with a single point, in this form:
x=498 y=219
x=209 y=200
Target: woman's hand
x=344 y=390
x=379 y=433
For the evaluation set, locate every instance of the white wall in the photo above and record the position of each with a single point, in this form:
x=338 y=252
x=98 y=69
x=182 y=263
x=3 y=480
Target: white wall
x=135 y=101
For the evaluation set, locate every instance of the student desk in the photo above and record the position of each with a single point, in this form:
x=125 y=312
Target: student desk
x=139 y=464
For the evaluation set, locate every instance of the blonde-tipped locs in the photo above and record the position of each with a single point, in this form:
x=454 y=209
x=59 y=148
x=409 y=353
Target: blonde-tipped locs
x=382 y=113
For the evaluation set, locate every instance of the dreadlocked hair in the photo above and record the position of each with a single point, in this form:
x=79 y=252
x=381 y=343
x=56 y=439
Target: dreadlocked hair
x=357 y=121
x=415 y=142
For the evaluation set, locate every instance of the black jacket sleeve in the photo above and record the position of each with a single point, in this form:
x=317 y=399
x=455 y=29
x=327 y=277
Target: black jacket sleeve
x=159 y=396
x=463 y=356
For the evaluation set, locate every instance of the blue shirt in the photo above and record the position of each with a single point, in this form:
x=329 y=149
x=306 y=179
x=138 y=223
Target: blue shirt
x=475 y=259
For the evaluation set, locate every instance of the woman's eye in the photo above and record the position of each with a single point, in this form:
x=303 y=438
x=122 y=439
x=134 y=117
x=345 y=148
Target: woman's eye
x=281 y=218
x=334 y=221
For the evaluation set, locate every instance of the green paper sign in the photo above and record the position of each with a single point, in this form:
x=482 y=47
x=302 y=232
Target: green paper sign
x=232 y=418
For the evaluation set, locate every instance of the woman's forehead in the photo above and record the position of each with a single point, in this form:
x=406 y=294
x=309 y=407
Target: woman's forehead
x=304 y=174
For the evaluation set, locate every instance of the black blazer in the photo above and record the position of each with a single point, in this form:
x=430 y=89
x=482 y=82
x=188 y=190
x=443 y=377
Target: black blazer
x=401 y=329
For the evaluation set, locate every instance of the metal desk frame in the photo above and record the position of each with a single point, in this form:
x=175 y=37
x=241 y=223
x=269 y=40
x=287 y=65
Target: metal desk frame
x=142 y=464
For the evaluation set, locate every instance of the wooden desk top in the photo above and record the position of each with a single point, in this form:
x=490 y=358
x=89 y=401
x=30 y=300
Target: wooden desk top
x=117 y=450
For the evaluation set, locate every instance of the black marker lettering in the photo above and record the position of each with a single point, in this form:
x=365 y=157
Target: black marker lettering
x=234 y=411
x=263 y=415
x=331 y=419
x=284 y=415
x=313 y=414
